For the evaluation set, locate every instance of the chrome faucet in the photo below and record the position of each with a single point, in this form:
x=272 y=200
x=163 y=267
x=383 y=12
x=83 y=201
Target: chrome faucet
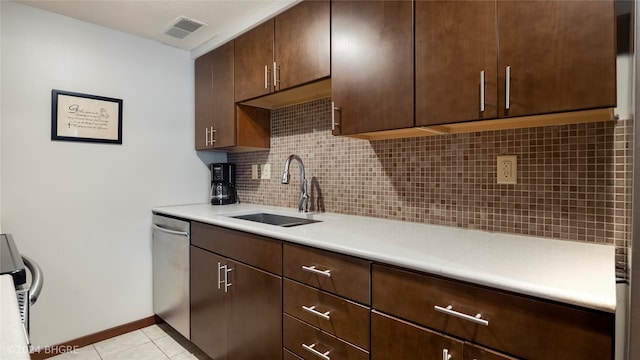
x=304 y=196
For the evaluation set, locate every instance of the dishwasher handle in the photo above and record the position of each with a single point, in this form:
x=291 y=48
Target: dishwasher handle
x=169 y=231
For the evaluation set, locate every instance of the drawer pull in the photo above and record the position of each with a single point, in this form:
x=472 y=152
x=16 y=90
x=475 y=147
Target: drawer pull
x=312 y=309
x=313 y=269
x=449 y=311
x=310 y=348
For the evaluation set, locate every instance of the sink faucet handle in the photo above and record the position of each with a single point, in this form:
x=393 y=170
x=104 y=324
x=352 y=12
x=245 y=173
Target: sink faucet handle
x=304 y=197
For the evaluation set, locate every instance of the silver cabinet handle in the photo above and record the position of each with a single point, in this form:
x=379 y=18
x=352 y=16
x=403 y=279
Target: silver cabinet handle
x=206 y=136
x=220 y=267
x=445 y=354
x=449 y=311
x=275 y=76
x=312 y=310
x=313 y=269
x=482 y=85
x=212 y=132
x=226 y=277
x=311 y=349
x=334 y=124
x=227 y=284
x=266 y=77
x=507 y=85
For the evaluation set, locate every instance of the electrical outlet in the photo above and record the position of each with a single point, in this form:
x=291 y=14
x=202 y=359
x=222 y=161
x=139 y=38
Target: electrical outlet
x=507 y=169
x=254 y=172
x=265 y=172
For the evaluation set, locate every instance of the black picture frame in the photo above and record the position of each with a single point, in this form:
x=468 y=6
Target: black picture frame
x=85 y=118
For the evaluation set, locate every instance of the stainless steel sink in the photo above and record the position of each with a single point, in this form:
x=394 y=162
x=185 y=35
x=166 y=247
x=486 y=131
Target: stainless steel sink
x=277 y=220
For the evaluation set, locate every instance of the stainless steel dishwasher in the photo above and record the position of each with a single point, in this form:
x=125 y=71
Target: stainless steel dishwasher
x=170 y=248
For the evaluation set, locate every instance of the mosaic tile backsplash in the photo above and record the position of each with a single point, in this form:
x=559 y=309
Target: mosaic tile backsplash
x=574 y=181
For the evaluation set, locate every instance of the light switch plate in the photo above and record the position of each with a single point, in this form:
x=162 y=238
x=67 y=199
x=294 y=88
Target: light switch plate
x=254 y=172
x=507 y=169
x=265 y=172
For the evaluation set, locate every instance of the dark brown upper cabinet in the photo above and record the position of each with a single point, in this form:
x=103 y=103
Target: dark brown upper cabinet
x=254 y=62
x=219 y=123
x=215 y=110
x=455 y=61
x=204 y=101
x=474 y=60
x=290 y=50
x=302 y=44
x=556 y=56
x=371 y=65
x=512 y=58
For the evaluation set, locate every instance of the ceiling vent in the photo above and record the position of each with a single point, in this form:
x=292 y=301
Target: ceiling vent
x=183 y=26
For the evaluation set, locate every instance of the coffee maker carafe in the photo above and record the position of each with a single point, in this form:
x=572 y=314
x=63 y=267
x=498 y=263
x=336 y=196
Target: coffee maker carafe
x=223 y=184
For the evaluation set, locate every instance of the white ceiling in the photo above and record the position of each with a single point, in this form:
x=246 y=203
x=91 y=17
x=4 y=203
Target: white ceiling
x=224 y=19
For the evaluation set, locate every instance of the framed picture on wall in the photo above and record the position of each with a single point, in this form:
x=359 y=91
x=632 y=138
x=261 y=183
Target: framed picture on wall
x=83 y=117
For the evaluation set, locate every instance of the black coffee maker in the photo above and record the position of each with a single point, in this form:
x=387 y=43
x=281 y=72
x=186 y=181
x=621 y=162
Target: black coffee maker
x=223 y=184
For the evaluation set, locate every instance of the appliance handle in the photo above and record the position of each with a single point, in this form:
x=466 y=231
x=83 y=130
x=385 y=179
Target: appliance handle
x=37 y=279
x=168 y=231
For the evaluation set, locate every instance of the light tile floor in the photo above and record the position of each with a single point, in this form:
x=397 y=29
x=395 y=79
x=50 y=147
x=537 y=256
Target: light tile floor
x=156 y=342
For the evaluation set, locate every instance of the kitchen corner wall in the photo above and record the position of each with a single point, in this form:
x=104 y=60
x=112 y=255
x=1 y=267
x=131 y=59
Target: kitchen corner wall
x=83 y=210
x=574 y=181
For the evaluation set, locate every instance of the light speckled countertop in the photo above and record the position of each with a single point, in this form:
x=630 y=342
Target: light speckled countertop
x=575 y=273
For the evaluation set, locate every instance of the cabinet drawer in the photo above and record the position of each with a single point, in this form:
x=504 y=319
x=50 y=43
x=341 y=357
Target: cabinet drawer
x=343 y=275
x=258 y=251
x=518 y=325
x=343 y=318
x=298 y=333
x=396 y=339
x=474 y=352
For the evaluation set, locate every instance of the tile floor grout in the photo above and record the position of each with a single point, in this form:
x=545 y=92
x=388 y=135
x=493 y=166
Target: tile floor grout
x=155 y=342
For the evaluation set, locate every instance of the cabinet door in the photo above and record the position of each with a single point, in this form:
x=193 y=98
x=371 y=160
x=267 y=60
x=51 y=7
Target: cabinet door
x=302 y=46
x=452 y=56
x=224 y=117
x=254 y=62
x=396 y=339
x=561 y=56
x=208 y=304
x=372 y=65
x=203 y=101
x=255 y=314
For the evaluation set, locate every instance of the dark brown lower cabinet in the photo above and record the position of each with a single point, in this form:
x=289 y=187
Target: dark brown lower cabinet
x=393 y=338
x=514 y=324
x=236 y=309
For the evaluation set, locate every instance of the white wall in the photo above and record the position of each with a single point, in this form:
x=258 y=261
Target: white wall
x=83 y=210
